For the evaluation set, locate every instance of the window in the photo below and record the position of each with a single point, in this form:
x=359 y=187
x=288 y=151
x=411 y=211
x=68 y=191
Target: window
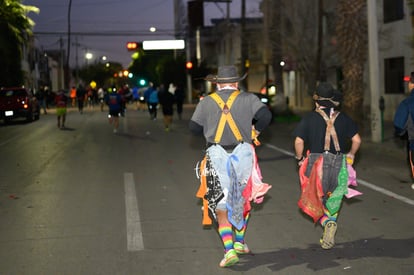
x=394 y=75
x=393 y=10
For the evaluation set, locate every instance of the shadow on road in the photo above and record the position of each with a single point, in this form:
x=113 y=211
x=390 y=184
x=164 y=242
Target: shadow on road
x=318 y=259
x=67 y=129
x=132 y=136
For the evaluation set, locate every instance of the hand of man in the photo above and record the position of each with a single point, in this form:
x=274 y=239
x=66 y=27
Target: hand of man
x=300 y=160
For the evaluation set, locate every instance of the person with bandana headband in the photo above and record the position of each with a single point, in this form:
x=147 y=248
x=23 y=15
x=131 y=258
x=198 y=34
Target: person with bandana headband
x=324 y=158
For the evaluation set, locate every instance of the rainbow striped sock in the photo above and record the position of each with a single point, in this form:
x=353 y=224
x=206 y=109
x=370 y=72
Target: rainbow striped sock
x=240 y=233
x=327 y=217
x=226 y=234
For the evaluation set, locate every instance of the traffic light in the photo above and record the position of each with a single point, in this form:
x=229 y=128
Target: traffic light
x=189 y=65
x=195 y=12
x=132 y=46
x=142 y=82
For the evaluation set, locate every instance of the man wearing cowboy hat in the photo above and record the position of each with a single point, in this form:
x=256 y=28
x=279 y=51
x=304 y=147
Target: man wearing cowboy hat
x=324 y=171
x=226 y=118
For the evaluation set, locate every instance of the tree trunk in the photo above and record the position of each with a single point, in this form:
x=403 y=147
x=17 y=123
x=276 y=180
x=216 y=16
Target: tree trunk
x=352 y=47
x=276 y=43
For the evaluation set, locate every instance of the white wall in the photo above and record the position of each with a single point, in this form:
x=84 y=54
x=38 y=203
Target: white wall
x=393 y=41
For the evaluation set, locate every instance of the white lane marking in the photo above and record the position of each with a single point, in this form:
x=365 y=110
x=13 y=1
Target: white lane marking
x=133 y=221
x=279 y=149
x=360 y=181
x=385 y=191
x=10 y=140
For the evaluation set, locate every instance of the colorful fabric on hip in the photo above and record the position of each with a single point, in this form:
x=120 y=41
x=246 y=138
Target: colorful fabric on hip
x=310 y=201
x=335 y=199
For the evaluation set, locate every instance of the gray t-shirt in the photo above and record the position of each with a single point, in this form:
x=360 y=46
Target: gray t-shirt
x=208 y=113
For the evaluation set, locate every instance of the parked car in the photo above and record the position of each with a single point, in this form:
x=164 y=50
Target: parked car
x=18 y=102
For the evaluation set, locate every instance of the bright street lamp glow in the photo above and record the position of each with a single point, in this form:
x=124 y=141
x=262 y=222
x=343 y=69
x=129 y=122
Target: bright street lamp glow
x=88 y=56
x=272 y=90
x=153 y=29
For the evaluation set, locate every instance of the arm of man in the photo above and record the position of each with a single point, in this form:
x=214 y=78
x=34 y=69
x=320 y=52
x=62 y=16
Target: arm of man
x=299 y=147
x=262 y=117
x=400 y=119
x=195 y=128
x=356 y=143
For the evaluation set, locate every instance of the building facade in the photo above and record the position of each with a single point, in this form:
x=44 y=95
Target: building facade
x=287 y=40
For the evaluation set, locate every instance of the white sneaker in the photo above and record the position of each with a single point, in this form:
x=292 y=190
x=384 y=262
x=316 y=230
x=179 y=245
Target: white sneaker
x=241 y=248
x=230 y=258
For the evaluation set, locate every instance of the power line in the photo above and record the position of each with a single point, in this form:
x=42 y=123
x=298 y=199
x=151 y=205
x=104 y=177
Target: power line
x=108 y=33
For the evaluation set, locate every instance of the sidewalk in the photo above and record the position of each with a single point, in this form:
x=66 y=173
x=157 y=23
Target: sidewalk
x=390 y=146
x=386 y=161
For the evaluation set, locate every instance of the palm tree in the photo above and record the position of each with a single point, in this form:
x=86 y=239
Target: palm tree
x=352 y=35
x=15 y=28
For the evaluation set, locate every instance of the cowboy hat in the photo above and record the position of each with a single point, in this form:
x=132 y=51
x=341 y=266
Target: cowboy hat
x=327 y=96
x=226 y=74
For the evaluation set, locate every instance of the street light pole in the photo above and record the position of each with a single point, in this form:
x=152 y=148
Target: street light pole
x=244 y=55
x=189 y=83
x=376 y=127
x=67 y=66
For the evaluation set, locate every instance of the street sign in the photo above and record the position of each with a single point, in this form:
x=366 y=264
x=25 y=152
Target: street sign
x=163 y=45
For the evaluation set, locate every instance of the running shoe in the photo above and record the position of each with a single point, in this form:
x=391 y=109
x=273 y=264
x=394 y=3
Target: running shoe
x=230 y=258
x=241 y=248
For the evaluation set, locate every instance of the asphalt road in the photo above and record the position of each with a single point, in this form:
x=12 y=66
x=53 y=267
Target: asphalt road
x=87 y=201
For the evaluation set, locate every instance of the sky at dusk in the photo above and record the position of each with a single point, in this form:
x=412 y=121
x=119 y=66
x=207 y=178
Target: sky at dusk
x=114 y=23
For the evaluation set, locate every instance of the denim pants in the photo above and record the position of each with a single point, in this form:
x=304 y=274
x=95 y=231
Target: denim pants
x=242 y=160
x=330 y=169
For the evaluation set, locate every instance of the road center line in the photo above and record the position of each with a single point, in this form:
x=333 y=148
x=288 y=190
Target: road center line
x=133 y=221
x=360 y=181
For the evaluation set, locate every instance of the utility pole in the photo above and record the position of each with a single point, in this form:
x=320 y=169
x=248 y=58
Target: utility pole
x=61 y=67
x=67 y=66
x=189 y=81
x=77 y=64
x=266 y=43
x=243 y=40
x=228 y=46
